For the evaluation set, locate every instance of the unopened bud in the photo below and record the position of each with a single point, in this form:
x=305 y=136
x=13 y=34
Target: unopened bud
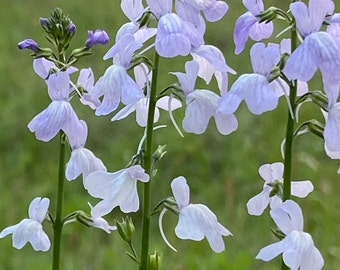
x=154 y=261
x=159 y=153
x=126 y=229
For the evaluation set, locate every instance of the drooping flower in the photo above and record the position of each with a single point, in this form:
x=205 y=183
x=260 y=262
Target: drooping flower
x=254 y=88
x=201 y=105
x=272 y=174
x=297 y=248
x=59 y=115
x=318 y=49
x=248 y=25
x=196 y=221
x=82 y=160
x=115 y=189
x=30 y=229
x=97 y=37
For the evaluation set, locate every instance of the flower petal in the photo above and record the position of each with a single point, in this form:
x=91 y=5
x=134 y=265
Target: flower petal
x=181 y=191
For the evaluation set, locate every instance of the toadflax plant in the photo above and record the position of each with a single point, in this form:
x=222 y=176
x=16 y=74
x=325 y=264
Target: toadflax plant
x=282 y=67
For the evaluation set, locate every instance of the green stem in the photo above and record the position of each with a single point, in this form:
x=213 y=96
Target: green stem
x=58 y=222
x=289 y=135
x=148 y=168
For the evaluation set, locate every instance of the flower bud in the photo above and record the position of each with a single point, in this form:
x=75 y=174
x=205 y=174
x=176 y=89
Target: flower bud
x=159 y=153
x=126 y=229
x=154 y=261
x=98 y=37
x=29 y=44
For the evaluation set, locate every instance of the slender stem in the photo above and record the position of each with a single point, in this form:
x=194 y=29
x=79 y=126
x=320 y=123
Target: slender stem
x=148 y=168
x=289 y=135
x=58 y=222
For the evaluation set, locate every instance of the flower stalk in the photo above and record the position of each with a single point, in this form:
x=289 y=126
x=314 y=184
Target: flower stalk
x=289 y=134
x=148 y=166
x=58 y=221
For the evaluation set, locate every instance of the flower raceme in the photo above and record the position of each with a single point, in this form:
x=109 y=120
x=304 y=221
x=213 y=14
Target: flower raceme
x=297 y=247
x=196 y=221
x=272 y=175
x=30 y=229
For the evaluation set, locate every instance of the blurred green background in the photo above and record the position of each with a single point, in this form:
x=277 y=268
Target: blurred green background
x=222 y=171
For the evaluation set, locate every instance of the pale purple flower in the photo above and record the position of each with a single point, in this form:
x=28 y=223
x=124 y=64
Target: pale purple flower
x=176 y=36
x=297 y=248
x=212 y=62
x=160 y=8
x=59 y=115
x=272 y=174
x=29 y=44
x=254 y=88
x=115 y=189
x=98 y=37
x=201 y=104
x=191 y=11
x=82 y=160
x=318 y=49
x=248 y=25
x=116 y=85
x=196 y=221
x=30 y=229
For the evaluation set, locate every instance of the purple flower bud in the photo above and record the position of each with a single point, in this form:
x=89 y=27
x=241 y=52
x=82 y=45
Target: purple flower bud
x=71 y=28
x=98 y=37
x=29 y=44
x=44 y=21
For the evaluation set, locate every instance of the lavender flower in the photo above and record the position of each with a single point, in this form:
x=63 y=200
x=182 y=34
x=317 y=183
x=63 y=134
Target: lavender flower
x=116 y=85
x=248 y=25
x=297 y=247
x=115 y=189
x=82 y=160
x=196 y=221
x=201 y=105
x=254 y=88
x=30 y=229
x=318 y=50
x=272 y=174
x=59 y=115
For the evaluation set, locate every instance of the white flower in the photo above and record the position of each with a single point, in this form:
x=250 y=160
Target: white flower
x=30 y=229
x=116 y=189
x=297 y=247
x=196 y=221
x=272 y=173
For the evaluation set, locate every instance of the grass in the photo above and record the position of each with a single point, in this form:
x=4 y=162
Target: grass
x=221 y=170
